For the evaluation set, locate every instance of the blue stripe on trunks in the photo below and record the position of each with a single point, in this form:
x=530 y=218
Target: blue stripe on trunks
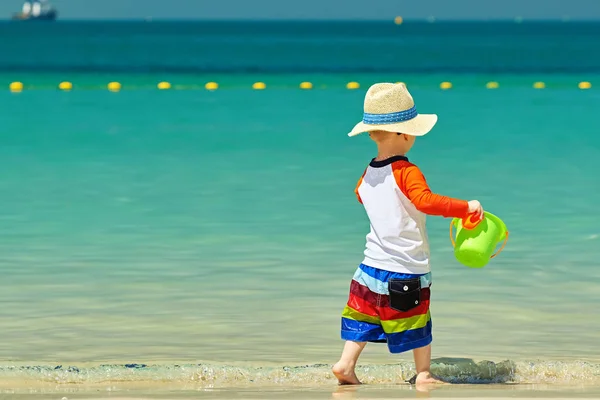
x=397 y=342
x=377 y=280
x=411 y=339
x=362 y=331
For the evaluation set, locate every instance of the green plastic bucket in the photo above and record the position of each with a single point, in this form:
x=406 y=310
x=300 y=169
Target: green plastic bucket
x=474 y=247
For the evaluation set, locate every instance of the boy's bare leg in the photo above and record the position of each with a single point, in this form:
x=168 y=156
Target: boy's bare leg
x=422 y=357
x=344 y=369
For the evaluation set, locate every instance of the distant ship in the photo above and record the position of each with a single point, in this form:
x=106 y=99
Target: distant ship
x=36 y=11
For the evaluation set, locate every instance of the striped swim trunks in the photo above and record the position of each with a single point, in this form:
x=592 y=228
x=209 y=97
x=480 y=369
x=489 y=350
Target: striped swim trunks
x=388 y=307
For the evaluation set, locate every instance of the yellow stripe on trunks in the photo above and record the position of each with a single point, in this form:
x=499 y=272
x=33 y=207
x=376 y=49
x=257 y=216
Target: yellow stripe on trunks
x=351 y=313
x=406 y=324
x=391 y=326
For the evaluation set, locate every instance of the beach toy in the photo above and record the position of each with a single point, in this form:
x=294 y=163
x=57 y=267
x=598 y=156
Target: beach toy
x=476 y=239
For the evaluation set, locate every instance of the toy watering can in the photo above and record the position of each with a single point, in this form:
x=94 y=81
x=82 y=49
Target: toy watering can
x=476 y=239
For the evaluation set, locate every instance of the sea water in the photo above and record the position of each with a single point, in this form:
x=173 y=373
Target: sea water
x=209 y=237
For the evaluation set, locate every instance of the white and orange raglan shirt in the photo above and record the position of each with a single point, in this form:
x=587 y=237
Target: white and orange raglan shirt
x=397 y=199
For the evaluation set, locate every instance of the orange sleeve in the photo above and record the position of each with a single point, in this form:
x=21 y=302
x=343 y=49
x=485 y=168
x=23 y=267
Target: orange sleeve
x=358 y=185
x=414 y=186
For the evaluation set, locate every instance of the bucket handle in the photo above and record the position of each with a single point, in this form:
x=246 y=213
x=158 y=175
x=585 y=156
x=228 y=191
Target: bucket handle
x=494 y=255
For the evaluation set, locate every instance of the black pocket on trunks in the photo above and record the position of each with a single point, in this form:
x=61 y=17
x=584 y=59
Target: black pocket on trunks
x=405 y=294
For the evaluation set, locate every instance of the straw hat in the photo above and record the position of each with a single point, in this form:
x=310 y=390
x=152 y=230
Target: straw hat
x=390 y=107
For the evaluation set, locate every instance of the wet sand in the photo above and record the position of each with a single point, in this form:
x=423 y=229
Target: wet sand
x=158 y=391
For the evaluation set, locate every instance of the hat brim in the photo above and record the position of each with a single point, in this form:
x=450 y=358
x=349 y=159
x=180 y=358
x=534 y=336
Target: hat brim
x=418 y=126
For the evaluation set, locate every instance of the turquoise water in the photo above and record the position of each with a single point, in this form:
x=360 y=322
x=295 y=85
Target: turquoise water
x=212 y=236
x=294 y=47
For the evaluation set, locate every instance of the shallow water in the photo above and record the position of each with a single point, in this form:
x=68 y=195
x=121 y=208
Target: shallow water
x=189 y=227
x=143 y=226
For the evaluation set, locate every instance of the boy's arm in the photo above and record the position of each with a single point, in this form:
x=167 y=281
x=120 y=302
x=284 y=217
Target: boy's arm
x=414 y=186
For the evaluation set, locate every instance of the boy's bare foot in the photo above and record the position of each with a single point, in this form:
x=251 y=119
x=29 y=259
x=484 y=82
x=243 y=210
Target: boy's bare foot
x=426 y=378
x=345 y=374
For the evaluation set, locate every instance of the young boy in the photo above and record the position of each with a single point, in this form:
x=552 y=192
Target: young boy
x=390 y=290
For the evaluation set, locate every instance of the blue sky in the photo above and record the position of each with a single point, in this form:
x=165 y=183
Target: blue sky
x=319 y=9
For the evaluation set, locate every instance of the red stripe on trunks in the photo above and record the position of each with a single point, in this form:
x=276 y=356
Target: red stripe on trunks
x=363 y=292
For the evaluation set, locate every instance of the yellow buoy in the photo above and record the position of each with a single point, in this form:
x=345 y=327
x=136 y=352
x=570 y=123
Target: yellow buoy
x=445 y=85
x=492 y=85
x=66 y=86
x=306 y=85
x=539 y=85
x=16 y=87
x=211 y=86
x=164 y=86
x=352 y=85
x=585 y=85
x=114 y=86
x=398 y=20
x=259 y=86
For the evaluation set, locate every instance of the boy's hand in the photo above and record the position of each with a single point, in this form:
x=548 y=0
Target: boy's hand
x=475 y=207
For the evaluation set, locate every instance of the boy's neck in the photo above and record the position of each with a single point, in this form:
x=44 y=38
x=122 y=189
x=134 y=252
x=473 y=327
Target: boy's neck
x=384 y=154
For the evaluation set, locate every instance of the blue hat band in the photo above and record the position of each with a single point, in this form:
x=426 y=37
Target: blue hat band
x=381 y=119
